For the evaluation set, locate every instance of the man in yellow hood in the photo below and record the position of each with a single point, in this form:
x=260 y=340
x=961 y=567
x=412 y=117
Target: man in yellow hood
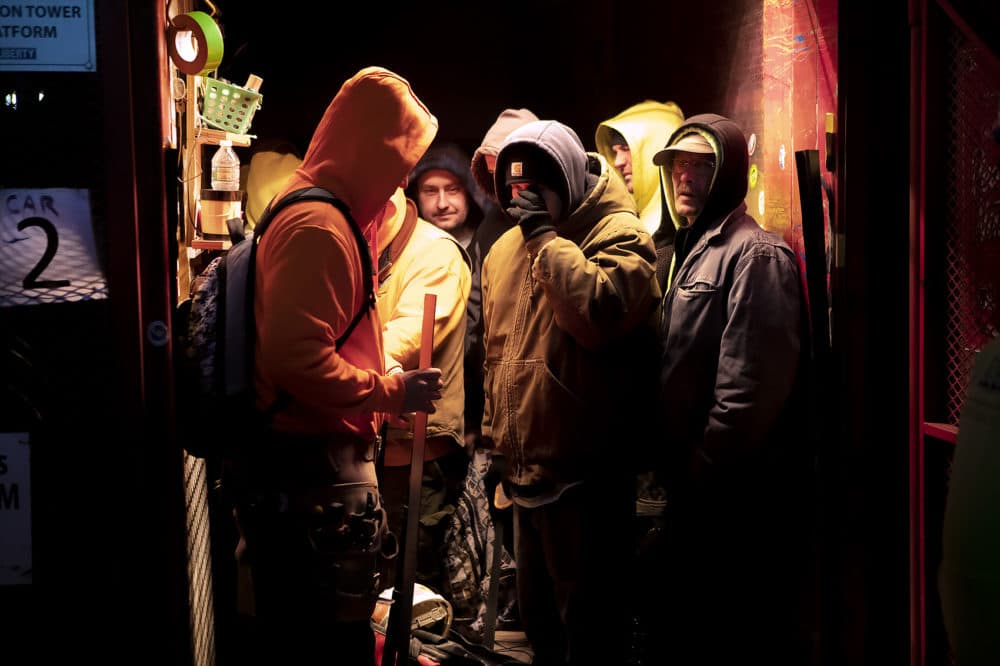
x=628 y=141
x=311 y=515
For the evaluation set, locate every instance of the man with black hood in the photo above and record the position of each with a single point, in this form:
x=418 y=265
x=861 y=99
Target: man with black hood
x=566 y=295
x=733 y=336
x=442 y=187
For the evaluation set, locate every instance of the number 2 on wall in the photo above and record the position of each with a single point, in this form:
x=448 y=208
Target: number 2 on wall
x=31 y=280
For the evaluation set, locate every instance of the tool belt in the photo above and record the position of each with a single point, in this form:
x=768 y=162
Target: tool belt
x=331 y=540
x=306 y=528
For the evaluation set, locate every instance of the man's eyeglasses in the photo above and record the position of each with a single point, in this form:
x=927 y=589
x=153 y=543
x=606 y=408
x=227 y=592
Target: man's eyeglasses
x=700 y=165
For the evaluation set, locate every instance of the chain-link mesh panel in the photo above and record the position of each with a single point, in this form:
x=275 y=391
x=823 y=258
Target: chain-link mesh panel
x=973 y=212
x=199 y=562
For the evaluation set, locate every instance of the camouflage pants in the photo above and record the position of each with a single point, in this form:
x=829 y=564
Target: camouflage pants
x=439 y=490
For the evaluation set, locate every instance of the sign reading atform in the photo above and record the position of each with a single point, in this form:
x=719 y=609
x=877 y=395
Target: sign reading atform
x=47 y=37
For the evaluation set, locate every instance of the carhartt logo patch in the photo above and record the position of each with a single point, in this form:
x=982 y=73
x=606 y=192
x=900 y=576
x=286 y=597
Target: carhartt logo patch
x=517 y=169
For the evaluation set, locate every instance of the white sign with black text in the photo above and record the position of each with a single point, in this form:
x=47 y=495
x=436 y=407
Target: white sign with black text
x=47 y=36
x=15 y=509
x=47 y=248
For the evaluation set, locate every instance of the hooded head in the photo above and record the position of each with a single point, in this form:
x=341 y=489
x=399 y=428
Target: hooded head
x=508 y=121
x=527 y=164
x=720 y=140
x=370 y=137
x=449 y=158
x=550 y=151
x=645 y=127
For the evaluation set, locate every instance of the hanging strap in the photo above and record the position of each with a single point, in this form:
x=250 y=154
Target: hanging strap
x=391 y=253
x=321 y=194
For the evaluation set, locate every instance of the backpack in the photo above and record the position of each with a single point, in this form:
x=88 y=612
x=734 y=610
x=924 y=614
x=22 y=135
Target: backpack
x=473 y=559
x=215 y=400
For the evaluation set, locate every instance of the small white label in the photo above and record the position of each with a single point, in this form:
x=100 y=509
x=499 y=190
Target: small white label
x=15 y=509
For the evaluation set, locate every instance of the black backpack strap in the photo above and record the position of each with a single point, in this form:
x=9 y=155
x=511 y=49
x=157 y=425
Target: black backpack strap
x=321 y=194
x=306 y=194
x=367 y=269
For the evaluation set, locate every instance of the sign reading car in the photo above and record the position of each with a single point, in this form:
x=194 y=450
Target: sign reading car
x=48 y=253
x=47 y=37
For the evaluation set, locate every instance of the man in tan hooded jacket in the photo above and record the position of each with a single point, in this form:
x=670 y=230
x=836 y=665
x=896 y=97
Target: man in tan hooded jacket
x=312 y=518
x=567 y=296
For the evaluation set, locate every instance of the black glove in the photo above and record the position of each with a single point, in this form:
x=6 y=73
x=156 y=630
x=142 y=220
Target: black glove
x=529 y=212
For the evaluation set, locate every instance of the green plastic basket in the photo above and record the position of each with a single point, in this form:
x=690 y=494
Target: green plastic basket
x=228 y=107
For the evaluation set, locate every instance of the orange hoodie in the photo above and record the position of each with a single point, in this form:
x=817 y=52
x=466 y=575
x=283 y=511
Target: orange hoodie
x=309 y=278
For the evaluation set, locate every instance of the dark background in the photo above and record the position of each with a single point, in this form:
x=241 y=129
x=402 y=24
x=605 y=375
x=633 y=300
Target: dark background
x=110 y=582
x=578 y=62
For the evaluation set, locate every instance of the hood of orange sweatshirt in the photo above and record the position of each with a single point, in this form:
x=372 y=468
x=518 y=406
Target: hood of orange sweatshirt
x=371 y=136
x=395 y=215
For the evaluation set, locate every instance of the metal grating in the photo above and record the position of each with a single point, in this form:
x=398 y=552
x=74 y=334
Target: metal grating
x=973 y=224
x=199 y=562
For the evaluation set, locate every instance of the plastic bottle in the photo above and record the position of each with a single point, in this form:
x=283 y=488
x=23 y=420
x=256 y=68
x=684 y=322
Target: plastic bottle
x=225 y=167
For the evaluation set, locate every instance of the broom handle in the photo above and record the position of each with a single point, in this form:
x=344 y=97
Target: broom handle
x=402 y=608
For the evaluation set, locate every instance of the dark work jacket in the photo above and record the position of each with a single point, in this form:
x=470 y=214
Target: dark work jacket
x=731 y=324
x=739 y=507
x=732 y=328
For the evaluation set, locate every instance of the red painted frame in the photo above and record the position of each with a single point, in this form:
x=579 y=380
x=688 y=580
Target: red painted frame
x=920 y=428
x=918 y=150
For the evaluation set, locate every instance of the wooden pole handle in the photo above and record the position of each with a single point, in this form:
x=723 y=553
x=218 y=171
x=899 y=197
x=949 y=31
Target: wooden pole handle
x=402 y=608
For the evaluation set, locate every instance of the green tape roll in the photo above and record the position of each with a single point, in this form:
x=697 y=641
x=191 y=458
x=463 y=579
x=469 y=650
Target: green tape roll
x=195 y=43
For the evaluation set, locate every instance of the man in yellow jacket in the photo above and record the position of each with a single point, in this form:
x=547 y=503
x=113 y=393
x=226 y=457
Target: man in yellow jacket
x=311 y=514
x=419 y=258
x=567 y=296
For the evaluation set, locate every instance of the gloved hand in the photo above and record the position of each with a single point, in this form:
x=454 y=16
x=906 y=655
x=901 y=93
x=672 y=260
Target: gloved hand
x=423 y=387
x=529 y=212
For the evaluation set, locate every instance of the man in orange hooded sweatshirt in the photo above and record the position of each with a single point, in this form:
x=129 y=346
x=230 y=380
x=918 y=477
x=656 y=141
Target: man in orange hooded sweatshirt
x=312 y=519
